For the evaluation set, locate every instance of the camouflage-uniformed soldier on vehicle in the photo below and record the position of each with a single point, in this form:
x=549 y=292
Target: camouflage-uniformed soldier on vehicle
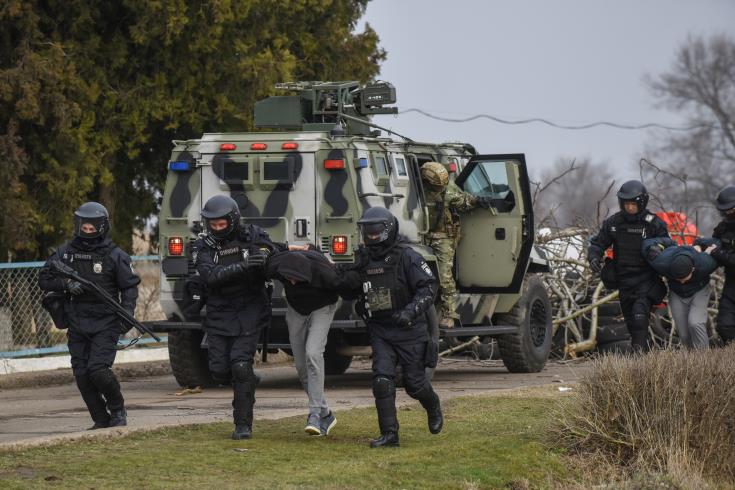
x=446 y=201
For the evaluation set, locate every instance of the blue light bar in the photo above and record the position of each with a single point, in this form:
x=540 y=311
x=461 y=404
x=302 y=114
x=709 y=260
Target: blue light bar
x=181 y=166
x=362 y=163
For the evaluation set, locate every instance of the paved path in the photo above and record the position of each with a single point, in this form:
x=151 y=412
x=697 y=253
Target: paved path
x=31 y=416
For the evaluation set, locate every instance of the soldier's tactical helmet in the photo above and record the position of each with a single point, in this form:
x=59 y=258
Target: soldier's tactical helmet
x=726 y=201
x=378 y=227
x=95 y=214
x=633 y=191
x=221 y=207
x=435 y=174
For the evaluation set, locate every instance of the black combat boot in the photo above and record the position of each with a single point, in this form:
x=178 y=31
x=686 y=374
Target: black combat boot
x=108 y=385
x=385 y=404
x=242 y=409
x=118 y=417
x=430 y=401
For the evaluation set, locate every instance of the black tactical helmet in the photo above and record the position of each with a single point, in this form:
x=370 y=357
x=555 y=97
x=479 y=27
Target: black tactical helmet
x=378 y=221
x=95 y=214
x=634 y=191
x=222 y=207
x=726 y=199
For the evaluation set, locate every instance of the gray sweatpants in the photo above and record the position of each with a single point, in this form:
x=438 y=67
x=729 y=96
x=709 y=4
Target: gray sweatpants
x=690 y=316
x=308 y=335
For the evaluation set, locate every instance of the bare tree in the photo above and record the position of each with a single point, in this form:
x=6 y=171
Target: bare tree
x=573 y=192
x=691 y=167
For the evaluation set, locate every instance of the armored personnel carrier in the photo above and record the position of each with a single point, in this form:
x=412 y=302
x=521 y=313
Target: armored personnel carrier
x=314 y=166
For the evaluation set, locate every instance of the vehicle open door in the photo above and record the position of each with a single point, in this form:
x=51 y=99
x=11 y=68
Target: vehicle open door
x=495 y=243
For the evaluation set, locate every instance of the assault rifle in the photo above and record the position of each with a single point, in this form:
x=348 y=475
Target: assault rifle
x=63 y=270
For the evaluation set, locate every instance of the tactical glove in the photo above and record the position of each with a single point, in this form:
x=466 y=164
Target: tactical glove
x=350 y=280
x=595 y=264
x=403 y=319
x=654 y=251
x=256 y=260
x=74 y=288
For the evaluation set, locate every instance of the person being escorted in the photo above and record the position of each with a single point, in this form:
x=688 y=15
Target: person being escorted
x=445 y=202
x=394 y=288
x=310 y=282
x=724 y=254
x=93 y=329
x=687 y=270
x=230 y=261
x=639 y=285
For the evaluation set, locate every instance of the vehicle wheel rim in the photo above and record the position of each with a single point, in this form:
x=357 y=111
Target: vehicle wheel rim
x=538 y=323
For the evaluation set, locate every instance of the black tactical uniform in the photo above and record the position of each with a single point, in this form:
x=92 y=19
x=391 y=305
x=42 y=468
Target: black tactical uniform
x=640 y=287
x=725 y=255
x=230 y=265
x=93 y=328
x=394 y=287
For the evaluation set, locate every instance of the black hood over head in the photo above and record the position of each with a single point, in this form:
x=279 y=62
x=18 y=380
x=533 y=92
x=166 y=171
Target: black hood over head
x=295 y=266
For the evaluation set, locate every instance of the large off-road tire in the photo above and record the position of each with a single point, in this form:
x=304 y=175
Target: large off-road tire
x=527 y=350
x=188 y=360
x=333 y=362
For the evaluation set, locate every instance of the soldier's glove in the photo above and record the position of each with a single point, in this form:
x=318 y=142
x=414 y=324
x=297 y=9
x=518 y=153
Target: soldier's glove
x=403 y=319
x=256 y=260
x=484 y=202
x=654 y=251
x=74 y=288
x=595 y=264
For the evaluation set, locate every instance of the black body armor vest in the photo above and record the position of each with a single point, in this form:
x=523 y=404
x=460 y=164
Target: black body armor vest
x=384 y=287
x=628 y=242
x=95 y=266
x=230 y=252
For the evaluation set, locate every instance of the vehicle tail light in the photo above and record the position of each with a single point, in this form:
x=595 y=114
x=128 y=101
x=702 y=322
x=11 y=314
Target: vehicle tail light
x=339 y=244
x=175 y=246
x=227 y=147
x=334 y=164
x=258 y=146
x=453 y=167
x=290 y=145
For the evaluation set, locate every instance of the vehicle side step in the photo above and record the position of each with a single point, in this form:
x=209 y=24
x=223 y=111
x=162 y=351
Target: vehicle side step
x=477 y=330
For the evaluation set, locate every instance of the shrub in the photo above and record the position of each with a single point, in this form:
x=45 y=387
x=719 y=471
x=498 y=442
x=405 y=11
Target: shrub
x=667 y=411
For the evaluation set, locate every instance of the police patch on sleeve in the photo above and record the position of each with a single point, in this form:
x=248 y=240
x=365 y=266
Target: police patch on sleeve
x=425 y=267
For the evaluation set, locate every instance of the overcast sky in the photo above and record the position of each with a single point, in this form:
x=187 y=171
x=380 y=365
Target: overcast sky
x=570 y=61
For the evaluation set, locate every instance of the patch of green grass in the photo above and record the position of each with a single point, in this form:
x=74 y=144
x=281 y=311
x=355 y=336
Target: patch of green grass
x=487 y=442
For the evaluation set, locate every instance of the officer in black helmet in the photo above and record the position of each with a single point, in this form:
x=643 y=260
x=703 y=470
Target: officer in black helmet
x=640 y=288
x=394 y=287
x=94 y=329
x=230 y=258
x=724 y=254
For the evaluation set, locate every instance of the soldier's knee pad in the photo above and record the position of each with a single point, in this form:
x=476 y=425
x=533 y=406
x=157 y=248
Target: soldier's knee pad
x=105 y=380
x=383 y=387
x=417 y=391
x=242 y=371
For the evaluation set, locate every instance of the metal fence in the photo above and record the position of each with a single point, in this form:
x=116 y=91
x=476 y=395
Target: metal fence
x=27 y=329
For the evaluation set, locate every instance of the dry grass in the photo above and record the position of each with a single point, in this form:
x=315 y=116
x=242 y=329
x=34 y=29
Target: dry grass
x=670 y=412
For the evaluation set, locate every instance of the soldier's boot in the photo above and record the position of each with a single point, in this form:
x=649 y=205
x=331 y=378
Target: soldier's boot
x=94 y=401
x=107 y=384
x=430 y=401
x=243 y=387
x=384 y=390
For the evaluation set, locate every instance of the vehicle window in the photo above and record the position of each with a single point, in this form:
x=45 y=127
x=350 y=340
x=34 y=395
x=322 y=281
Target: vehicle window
x=381 y=167
x=490 y=179
x=401 y=167
x=278 y=171
x=235 y=172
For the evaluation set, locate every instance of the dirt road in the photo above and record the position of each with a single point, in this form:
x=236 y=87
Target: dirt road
x=31 y=416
